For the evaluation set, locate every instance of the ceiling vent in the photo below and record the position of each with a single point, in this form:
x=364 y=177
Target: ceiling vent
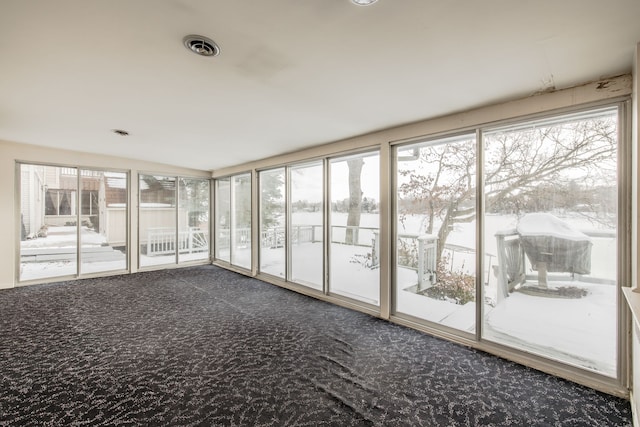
x=201 y=45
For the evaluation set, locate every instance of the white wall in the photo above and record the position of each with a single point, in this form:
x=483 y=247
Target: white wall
x=9 y=216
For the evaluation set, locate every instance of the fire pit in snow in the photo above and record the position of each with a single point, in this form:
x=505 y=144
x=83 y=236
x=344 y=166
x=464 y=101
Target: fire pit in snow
x=553 y=245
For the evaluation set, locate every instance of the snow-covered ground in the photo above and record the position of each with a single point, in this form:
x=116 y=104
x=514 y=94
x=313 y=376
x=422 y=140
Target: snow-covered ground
x=579 y=331
x=97 y=256
x=61 y=243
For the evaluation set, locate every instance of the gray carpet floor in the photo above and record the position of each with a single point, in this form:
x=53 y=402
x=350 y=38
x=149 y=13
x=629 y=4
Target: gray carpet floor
x=205 y=346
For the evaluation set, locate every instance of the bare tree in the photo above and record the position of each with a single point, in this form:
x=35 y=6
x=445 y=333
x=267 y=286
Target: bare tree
x=524 y=169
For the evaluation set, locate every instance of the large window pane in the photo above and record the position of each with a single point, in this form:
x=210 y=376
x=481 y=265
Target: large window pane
x=272 y=222
x=550 y=227
x=223 y=219
x=436 y=237
x=355 y=224
x=48 y=214
x=241 y=211
x=157 y=220
x=103 y=221
x=193 y=220
x=306 y=230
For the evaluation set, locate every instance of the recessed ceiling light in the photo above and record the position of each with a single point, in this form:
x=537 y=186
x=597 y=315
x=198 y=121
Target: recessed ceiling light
x=363 y=2
x=120 y=132
x=201 y=45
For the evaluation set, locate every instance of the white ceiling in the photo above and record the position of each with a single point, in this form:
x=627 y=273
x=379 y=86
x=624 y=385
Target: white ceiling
x=292 y=73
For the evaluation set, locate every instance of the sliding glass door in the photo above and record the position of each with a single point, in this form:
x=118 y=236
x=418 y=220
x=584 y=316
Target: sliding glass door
x=233 y=220
x=69 y=214
x=193 y=223
x=103 y=221
x=49 y=221
x=273 y=213
x=355 y=227
x=551 y=218
x=222 y=241
x=157 y=220
x=549 y=269
x=241 y=215
x=306 y=226
x=436 y=237
x=173 y=220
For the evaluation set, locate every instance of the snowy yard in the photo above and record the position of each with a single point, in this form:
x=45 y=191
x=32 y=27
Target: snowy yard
x=580 y=331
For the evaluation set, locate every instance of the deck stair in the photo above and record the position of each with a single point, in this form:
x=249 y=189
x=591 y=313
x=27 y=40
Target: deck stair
x=89 y=254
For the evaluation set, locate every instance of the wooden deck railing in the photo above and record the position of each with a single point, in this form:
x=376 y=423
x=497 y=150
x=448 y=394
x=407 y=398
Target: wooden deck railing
x=162 y=241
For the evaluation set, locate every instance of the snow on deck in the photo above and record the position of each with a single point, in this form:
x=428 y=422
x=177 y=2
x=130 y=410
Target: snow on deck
x=544 y=224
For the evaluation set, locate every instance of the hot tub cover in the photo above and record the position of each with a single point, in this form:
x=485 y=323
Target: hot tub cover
x=546 y=238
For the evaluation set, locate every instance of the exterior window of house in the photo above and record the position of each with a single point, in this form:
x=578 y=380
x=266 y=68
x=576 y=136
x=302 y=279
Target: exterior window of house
x=354 y=248
x=306 y=226
x=60 y=202
x=436 y=238
x=89 y=202
x=273 y=214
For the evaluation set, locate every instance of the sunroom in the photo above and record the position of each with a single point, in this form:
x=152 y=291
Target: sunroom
x=476 y=184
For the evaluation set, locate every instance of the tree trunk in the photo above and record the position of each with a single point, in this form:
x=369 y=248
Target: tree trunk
x=432 y=215
x=443 y=232
x=355 y=200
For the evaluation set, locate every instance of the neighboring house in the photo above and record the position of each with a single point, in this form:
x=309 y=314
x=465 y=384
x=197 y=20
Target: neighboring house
x=49 y=198
x=52 y=196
